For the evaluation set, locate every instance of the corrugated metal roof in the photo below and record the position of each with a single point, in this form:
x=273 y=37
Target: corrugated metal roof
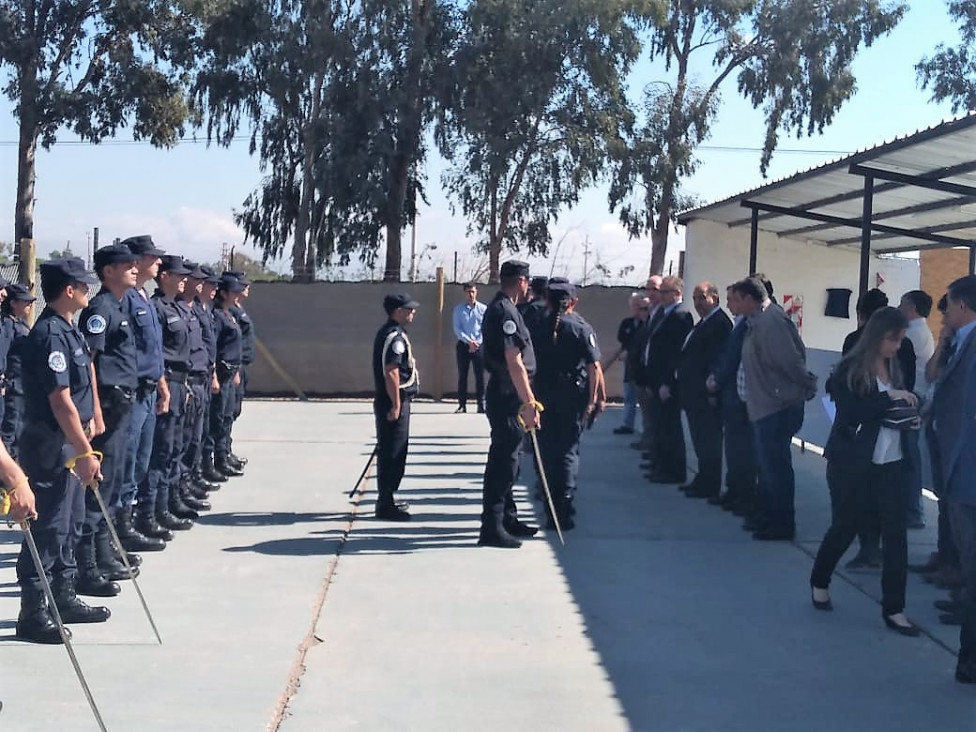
x=924 y=195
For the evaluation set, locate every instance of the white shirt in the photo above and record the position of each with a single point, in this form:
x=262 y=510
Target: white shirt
x=924 y=344
x=888 y=447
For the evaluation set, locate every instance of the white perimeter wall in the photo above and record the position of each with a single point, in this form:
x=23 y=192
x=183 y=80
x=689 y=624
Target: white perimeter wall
x=718 y=253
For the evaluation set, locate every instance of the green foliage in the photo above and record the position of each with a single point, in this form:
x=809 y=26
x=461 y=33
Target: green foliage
x=255 y=270
x=950 y=73
x=792 y=58
x=338 y=95
x=536 y=98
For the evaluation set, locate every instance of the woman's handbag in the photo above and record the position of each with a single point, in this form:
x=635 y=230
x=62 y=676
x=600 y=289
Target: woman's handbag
x=901 y=415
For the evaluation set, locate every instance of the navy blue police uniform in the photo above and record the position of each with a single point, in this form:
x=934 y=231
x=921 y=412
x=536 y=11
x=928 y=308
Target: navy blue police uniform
x=161 y=489
x=248 y=344
x=503 y=328
x=55 y=357
x=562 y=384
x=391 y=347
x=227 y=334
x=6 y=339
x=13 y=414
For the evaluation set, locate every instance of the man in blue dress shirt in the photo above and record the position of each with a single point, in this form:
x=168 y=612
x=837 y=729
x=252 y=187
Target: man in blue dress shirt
x=467 y=328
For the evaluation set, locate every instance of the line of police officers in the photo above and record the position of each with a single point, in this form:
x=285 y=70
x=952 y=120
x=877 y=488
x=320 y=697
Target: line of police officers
x=138 y=398
x=544 y=377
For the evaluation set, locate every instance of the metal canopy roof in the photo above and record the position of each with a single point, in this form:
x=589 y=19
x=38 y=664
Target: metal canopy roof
x=918 y=191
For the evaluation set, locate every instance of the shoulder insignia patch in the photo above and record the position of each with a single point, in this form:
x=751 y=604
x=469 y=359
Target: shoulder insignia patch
x=593 y=340
x=509 y=327
x=96 y=325
x=57 y=362
x=398 y=347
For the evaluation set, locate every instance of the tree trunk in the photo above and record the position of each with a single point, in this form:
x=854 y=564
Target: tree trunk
x=303 y=251
x=659 y=242
x=494 y=241
x=26 y=156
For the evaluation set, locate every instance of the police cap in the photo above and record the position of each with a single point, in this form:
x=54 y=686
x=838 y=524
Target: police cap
x=399 y=300
x=195 y=270
x=142 y=245
x=514 y=268
x=558 y=281
x=237 y=274
x=66 y=271
x=173 y=263
x=113 y=254
x=229 y=284
x=210 y=275
x=539 y=283
x=19 y=292
x=561 y=290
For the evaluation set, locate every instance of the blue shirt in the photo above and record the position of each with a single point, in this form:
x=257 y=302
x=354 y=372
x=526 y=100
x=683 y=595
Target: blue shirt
x=467 y=321
x=959 y=340
x=149 y=335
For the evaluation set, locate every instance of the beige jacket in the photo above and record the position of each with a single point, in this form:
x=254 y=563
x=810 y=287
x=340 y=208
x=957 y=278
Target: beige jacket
x=774 y=359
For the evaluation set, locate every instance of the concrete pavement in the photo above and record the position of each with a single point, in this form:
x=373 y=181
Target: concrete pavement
x=290 y=606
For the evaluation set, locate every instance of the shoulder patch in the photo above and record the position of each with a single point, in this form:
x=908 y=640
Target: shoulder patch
x=593 y=340
x=509 y=327
x=96 y=324
x=57 y=362
x=398 y=347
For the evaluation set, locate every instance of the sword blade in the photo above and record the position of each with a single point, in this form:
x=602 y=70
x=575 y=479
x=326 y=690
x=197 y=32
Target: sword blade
x=32 y=546
x=362 y=476
x=125 y=559
x=545 y=486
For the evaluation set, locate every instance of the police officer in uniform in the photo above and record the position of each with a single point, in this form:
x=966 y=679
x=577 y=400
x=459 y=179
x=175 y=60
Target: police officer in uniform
x=227 y=334
x=569 y=382
x=108 y=331
x=510 y=404
x=534 y=310
x=56 y=454
x=160 y=490
x=206 y=468
x=15 y=309
x=248 y=341
x=6 y=338
x=396 y=379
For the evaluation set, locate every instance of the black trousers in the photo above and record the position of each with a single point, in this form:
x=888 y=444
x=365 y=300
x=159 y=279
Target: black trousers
x=477 y=362
x=166 y=450
x=559 y=439
x=948 y=553
x=740 y=449
x=885 y=485
x=668 y=452
x=13 y=419
x=196 y=416
x=221 y=418
x=60 y=502
x=705 y=426
x=392 y=444
x=114 y=445
x=501 y=470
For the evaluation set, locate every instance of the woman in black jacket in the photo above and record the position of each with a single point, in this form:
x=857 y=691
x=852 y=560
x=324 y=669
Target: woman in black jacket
x=865 y=462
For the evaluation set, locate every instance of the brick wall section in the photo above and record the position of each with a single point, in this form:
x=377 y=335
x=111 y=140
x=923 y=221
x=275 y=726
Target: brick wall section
x=938 y=268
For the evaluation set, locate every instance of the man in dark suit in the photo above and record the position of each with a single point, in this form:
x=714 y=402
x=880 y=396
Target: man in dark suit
x=953 y=406
x=663 y=352
x=702 y=350
x=637 y=363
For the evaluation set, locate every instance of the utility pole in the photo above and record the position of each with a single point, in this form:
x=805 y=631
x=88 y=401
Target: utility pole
x=586 y=259
x=413 y=250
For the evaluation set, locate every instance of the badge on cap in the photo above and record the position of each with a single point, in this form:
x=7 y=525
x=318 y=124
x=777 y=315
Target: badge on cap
x=509 y=327
x=593 y=340
x=57 y=362
x=398 y=347
x=96 y=325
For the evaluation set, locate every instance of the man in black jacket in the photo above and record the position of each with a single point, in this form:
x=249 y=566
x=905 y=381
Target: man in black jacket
x=701 y=352
x=668 y=331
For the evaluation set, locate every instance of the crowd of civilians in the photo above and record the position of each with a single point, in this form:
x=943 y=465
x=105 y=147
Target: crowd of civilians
x=743 y=383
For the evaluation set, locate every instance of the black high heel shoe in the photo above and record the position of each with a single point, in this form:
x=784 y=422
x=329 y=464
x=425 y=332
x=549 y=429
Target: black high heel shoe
x=825 y=605
x=908 y=630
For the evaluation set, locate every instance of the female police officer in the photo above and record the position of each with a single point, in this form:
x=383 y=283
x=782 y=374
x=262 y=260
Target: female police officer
x=569 y=382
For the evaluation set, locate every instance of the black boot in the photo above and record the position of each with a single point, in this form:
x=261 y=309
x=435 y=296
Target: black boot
x=148 y=526
x=388 y=510
x=72 y=609
x=238 y=460
x=131 y=539
x=202 y=483
x=35 y=623
x=497 y=536
x=168 y=521
x=193 y=496
x=178 y=508
x=106 y=558
x=227 y=468
x=209 y=471
x=90 y=581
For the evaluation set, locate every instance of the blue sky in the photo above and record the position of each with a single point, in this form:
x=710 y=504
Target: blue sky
x=184 y=197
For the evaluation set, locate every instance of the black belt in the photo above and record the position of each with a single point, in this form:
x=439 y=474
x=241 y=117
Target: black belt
x=198 y=377
x=177 y=377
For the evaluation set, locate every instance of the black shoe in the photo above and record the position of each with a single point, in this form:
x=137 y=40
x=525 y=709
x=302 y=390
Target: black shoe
x=195 y=504
x=665 y=479
x=391 y=512
x=950 y=619
x=106 y=559
x=518 y=529
x=35 y=624
x=462 y=409
x=137 y=542
x=242 y=461
x=180 y=509
x=189 y=488
x=73 y=610
x=947 y=606
x=687 y=487
x=147 y=525
x=498 y=539
x=908 y=630
x=213 y=475
x=203 y=484
x=932 y=565
x=235 y=461
x=173 y=523
x=623 y=430
x=772 y=533
x=96 y=585
x=227 y=468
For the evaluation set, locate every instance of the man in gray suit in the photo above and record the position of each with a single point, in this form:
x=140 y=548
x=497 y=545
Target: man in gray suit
x=954 y=415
